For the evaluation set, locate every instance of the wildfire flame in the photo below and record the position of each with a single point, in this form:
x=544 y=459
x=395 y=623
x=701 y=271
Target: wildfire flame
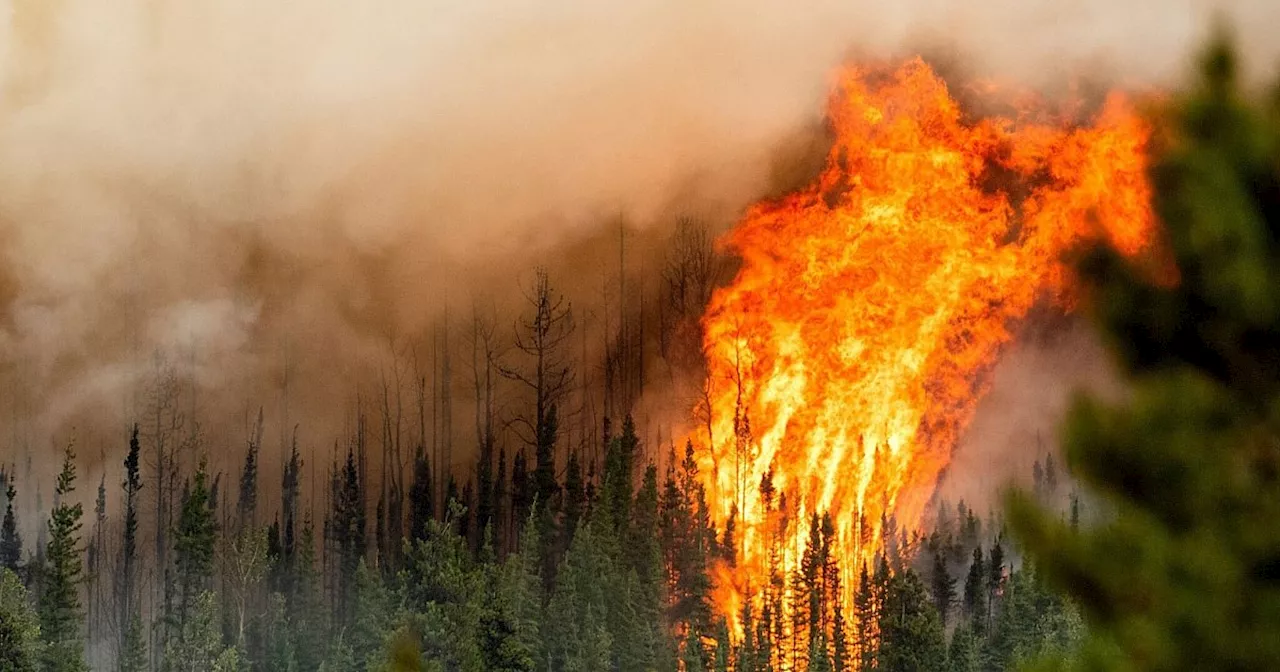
x=850 y=351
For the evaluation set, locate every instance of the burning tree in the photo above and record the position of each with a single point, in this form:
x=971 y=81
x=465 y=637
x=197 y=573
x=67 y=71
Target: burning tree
x=850 y=350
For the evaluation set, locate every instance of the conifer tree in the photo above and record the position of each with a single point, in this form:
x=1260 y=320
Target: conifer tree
x=619 y=465
x=524 y=590
x=975 y=592
x=247 y=504
x=911 y=634
x=193 y=545
x=944 y=585
x=963 y=654
x=133 y=648
x=577 y=621
x=866 y=614
x=127 y=578
x=575 y=497
x=305 y=610
x=61 y=619
x=421 y=500
x=10 y=538
x=1183 y=572
x=346 y=530
x=995 y=577
x=20 y=641
x=290 y=482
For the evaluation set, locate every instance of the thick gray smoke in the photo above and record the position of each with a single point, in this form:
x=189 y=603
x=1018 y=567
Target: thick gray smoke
x=285 y=187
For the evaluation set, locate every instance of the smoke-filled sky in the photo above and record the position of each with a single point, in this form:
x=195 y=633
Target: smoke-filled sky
x=249 y=178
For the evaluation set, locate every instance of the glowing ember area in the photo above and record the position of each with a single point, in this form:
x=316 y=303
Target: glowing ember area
x=850 y=351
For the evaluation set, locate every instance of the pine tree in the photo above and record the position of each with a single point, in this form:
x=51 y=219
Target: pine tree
x=975 y=593
x=127 y=578
x=198 y=645
x=193 y=545
x=911 y=634
x=422 y=506
x=371 y=620
x=346 y=531
x=60 y=617
x=619 y=465
x=247 y=504
x=578 y=636
x=508 y=641
x=867 y=616
x=20 y=641
x=995 y=577
x=133 y=647
x=1183 y=573
x=306 y=610
x=10 y=539
x=290 y=482
x=963 y=654
x=575 y=497
x=521 y=493
x=647 y=646
x=944 y=586
x=524 y=588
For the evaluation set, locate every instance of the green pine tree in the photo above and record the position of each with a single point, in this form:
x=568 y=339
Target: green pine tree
x=1183 y=571
x=911 y=635
x=975 y=592
x=193 y=545
x=61 y=620
x=133 y=652
x=10 y=539
x=20 y=641
x=578 y=615
x=198 y=645
x=963 y=655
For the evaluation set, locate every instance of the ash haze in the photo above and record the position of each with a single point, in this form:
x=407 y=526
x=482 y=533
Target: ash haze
x=278 y=189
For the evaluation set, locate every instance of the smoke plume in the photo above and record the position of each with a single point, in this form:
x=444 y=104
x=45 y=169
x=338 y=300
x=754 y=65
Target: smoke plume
x=280 y=189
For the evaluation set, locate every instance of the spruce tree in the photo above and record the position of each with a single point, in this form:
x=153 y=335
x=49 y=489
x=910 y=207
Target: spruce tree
x=20 y=642
x=133 y=647
x=422 y=506
x=975 y=592
x=193 y=545
x=911 y=634
x=127 y=578
x=1183 y=571
x=61 y=619
x=577 y=621
x=346 y=530
x=247 y=504
x=944 y=585
x=307 y=616
x=575 y=497
x=10 y=538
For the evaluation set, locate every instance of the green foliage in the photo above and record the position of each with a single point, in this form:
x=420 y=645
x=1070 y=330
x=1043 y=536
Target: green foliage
x=577 y=629
x=10 y=539
x=61 y=619
x=911 y=636
x=193 y=544
x=1185 y=570
x=133 y=652
x=198 y=645
x=20 y=642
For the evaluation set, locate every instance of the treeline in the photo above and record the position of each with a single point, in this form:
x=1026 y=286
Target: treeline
x=608 y=571
x=191 y=516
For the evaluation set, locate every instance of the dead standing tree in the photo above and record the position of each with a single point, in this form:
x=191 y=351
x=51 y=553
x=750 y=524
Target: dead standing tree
x=543 y=336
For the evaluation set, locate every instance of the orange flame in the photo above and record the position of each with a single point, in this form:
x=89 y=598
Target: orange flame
x=849 y=352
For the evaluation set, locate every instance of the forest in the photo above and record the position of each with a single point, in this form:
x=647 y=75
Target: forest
x=572 y=541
